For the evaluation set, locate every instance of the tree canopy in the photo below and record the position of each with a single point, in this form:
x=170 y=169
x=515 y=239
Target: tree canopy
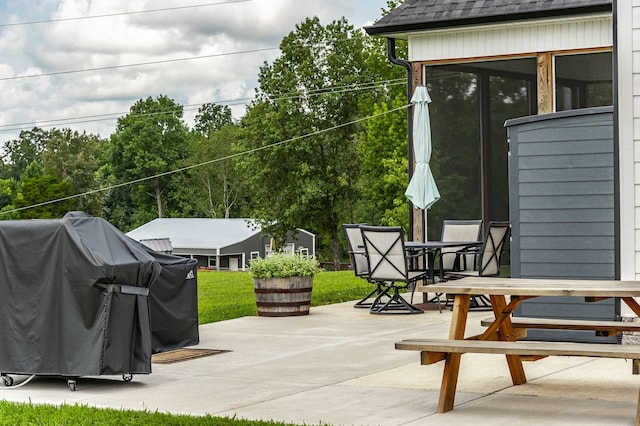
x=317 y=147
x=148 y=142
x=309 y=100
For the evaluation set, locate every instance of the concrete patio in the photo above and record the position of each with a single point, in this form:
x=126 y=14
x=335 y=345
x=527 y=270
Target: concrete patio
x=338 y=366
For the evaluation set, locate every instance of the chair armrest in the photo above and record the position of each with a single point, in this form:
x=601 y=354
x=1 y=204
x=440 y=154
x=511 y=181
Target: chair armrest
x=410 y=257
x=462 y=255
x=413 y=255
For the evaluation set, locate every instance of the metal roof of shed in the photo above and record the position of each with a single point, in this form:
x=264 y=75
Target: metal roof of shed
x=158 y=244
x=416 y=15
x=198 y=233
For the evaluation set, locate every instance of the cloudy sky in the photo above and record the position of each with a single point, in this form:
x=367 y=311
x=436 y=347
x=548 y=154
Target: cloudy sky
x=68 y=63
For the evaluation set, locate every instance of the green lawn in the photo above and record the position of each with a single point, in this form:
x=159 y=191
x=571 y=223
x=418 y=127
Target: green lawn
x=227 y=295
x=221 y=296
x=48 y=415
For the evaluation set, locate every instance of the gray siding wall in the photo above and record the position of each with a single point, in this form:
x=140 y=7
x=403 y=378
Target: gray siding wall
x=561 y=172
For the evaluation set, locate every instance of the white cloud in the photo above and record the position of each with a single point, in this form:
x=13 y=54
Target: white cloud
x=111 y=41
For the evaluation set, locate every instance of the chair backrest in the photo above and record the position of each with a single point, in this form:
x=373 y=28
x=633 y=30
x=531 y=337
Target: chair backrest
x=385 y=250
x=496 y=236
x=459 y=230
x=356 y=249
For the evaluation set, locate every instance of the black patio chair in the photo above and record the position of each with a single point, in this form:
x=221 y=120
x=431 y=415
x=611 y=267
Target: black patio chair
x=488 y=259
x=388 y=264
x=359 y=263
x=458 y=230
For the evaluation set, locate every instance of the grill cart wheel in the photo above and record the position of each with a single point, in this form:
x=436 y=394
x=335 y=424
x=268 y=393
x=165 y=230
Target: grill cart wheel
x=7 y=380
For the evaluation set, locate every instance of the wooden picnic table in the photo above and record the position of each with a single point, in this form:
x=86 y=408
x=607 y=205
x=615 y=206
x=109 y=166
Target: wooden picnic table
x=500 y=336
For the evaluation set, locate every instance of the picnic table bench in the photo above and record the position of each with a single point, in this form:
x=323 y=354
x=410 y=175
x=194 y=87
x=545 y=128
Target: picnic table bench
x=601 y=328
x=502 y=332
x=435 y=350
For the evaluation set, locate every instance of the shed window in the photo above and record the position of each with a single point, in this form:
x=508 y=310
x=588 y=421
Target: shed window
x=213 y=261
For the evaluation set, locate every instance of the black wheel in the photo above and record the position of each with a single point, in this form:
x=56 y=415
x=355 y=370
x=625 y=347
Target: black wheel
x=127 y=377
x=7 y=380
x=72 y=385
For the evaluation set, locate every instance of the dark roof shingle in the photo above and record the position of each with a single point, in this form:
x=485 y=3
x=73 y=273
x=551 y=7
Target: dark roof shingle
x=415 y=15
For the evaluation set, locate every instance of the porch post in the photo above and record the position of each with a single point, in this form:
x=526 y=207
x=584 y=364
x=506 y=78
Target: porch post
x=545 y=83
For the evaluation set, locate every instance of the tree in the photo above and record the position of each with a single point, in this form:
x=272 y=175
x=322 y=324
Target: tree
x=147 y=145
x=309 y=181
x=211 y=118
x=212 y=189
x=384 y=178
x=75 y=158
x=65 y=154
x=41 y=189
x=19 y=153
x=383 y=141
x=8 y=190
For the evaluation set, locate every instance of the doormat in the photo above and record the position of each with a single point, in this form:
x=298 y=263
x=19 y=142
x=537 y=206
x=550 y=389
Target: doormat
x=184 y=354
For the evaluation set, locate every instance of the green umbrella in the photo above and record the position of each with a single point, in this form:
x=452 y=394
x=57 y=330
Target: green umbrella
x=422 y=189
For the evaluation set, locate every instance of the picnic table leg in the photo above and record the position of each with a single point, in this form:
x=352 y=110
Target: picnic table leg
x=632 y=304
x=638 y=411
x=452 y=361
x=506 y=333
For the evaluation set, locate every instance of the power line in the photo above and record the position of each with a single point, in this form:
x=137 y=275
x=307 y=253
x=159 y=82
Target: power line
x=12 y=127
x=108 y=15
x=164 y=61
x=341 y=89
x=182 y=169
x=4 y=128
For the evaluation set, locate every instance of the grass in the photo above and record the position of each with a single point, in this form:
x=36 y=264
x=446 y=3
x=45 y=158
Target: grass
x=34 y=415
x=221 y=296
x=227 y=295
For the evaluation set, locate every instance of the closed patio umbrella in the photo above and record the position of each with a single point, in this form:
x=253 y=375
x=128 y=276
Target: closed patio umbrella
x=422 y=189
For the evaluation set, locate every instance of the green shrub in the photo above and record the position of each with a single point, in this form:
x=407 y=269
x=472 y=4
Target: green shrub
x=282 y=265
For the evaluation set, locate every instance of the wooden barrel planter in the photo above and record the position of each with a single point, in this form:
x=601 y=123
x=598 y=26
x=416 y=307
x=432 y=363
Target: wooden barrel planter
x=283 y=297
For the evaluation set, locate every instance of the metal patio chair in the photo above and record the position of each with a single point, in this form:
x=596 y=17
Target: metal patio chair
x=459 y=230
x=359 y=264
x=388 y=263
x=488 y=259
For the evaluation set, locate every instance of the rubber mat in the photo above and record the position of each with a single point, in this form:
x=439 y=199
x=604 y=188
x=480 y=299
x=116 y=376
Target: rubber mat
x=184 y=354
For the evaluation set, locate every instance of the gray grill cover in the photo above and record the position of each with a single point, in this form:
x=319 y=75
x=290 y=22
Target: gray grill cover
x=75 y=298
x=173 y=303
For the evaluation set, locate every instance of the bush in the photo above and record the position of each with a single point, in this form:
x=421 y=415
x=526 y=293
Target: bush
x=282 y=265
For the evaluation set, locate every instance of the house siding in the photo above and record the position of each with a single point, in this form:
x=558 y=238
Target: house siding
x=593 y=31
x=635 y=14
x=628 y=105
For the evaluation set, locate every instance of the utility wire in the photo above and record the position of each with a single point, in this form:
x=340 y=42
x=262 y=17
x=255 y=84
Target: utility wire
x=108 y=116
x=164 y=61
x=107 y=15
x=291 y=95
x=182 y=169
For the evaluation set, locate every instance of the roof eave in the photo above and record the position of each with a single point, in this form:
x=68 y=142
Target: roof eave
x=390 y=30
